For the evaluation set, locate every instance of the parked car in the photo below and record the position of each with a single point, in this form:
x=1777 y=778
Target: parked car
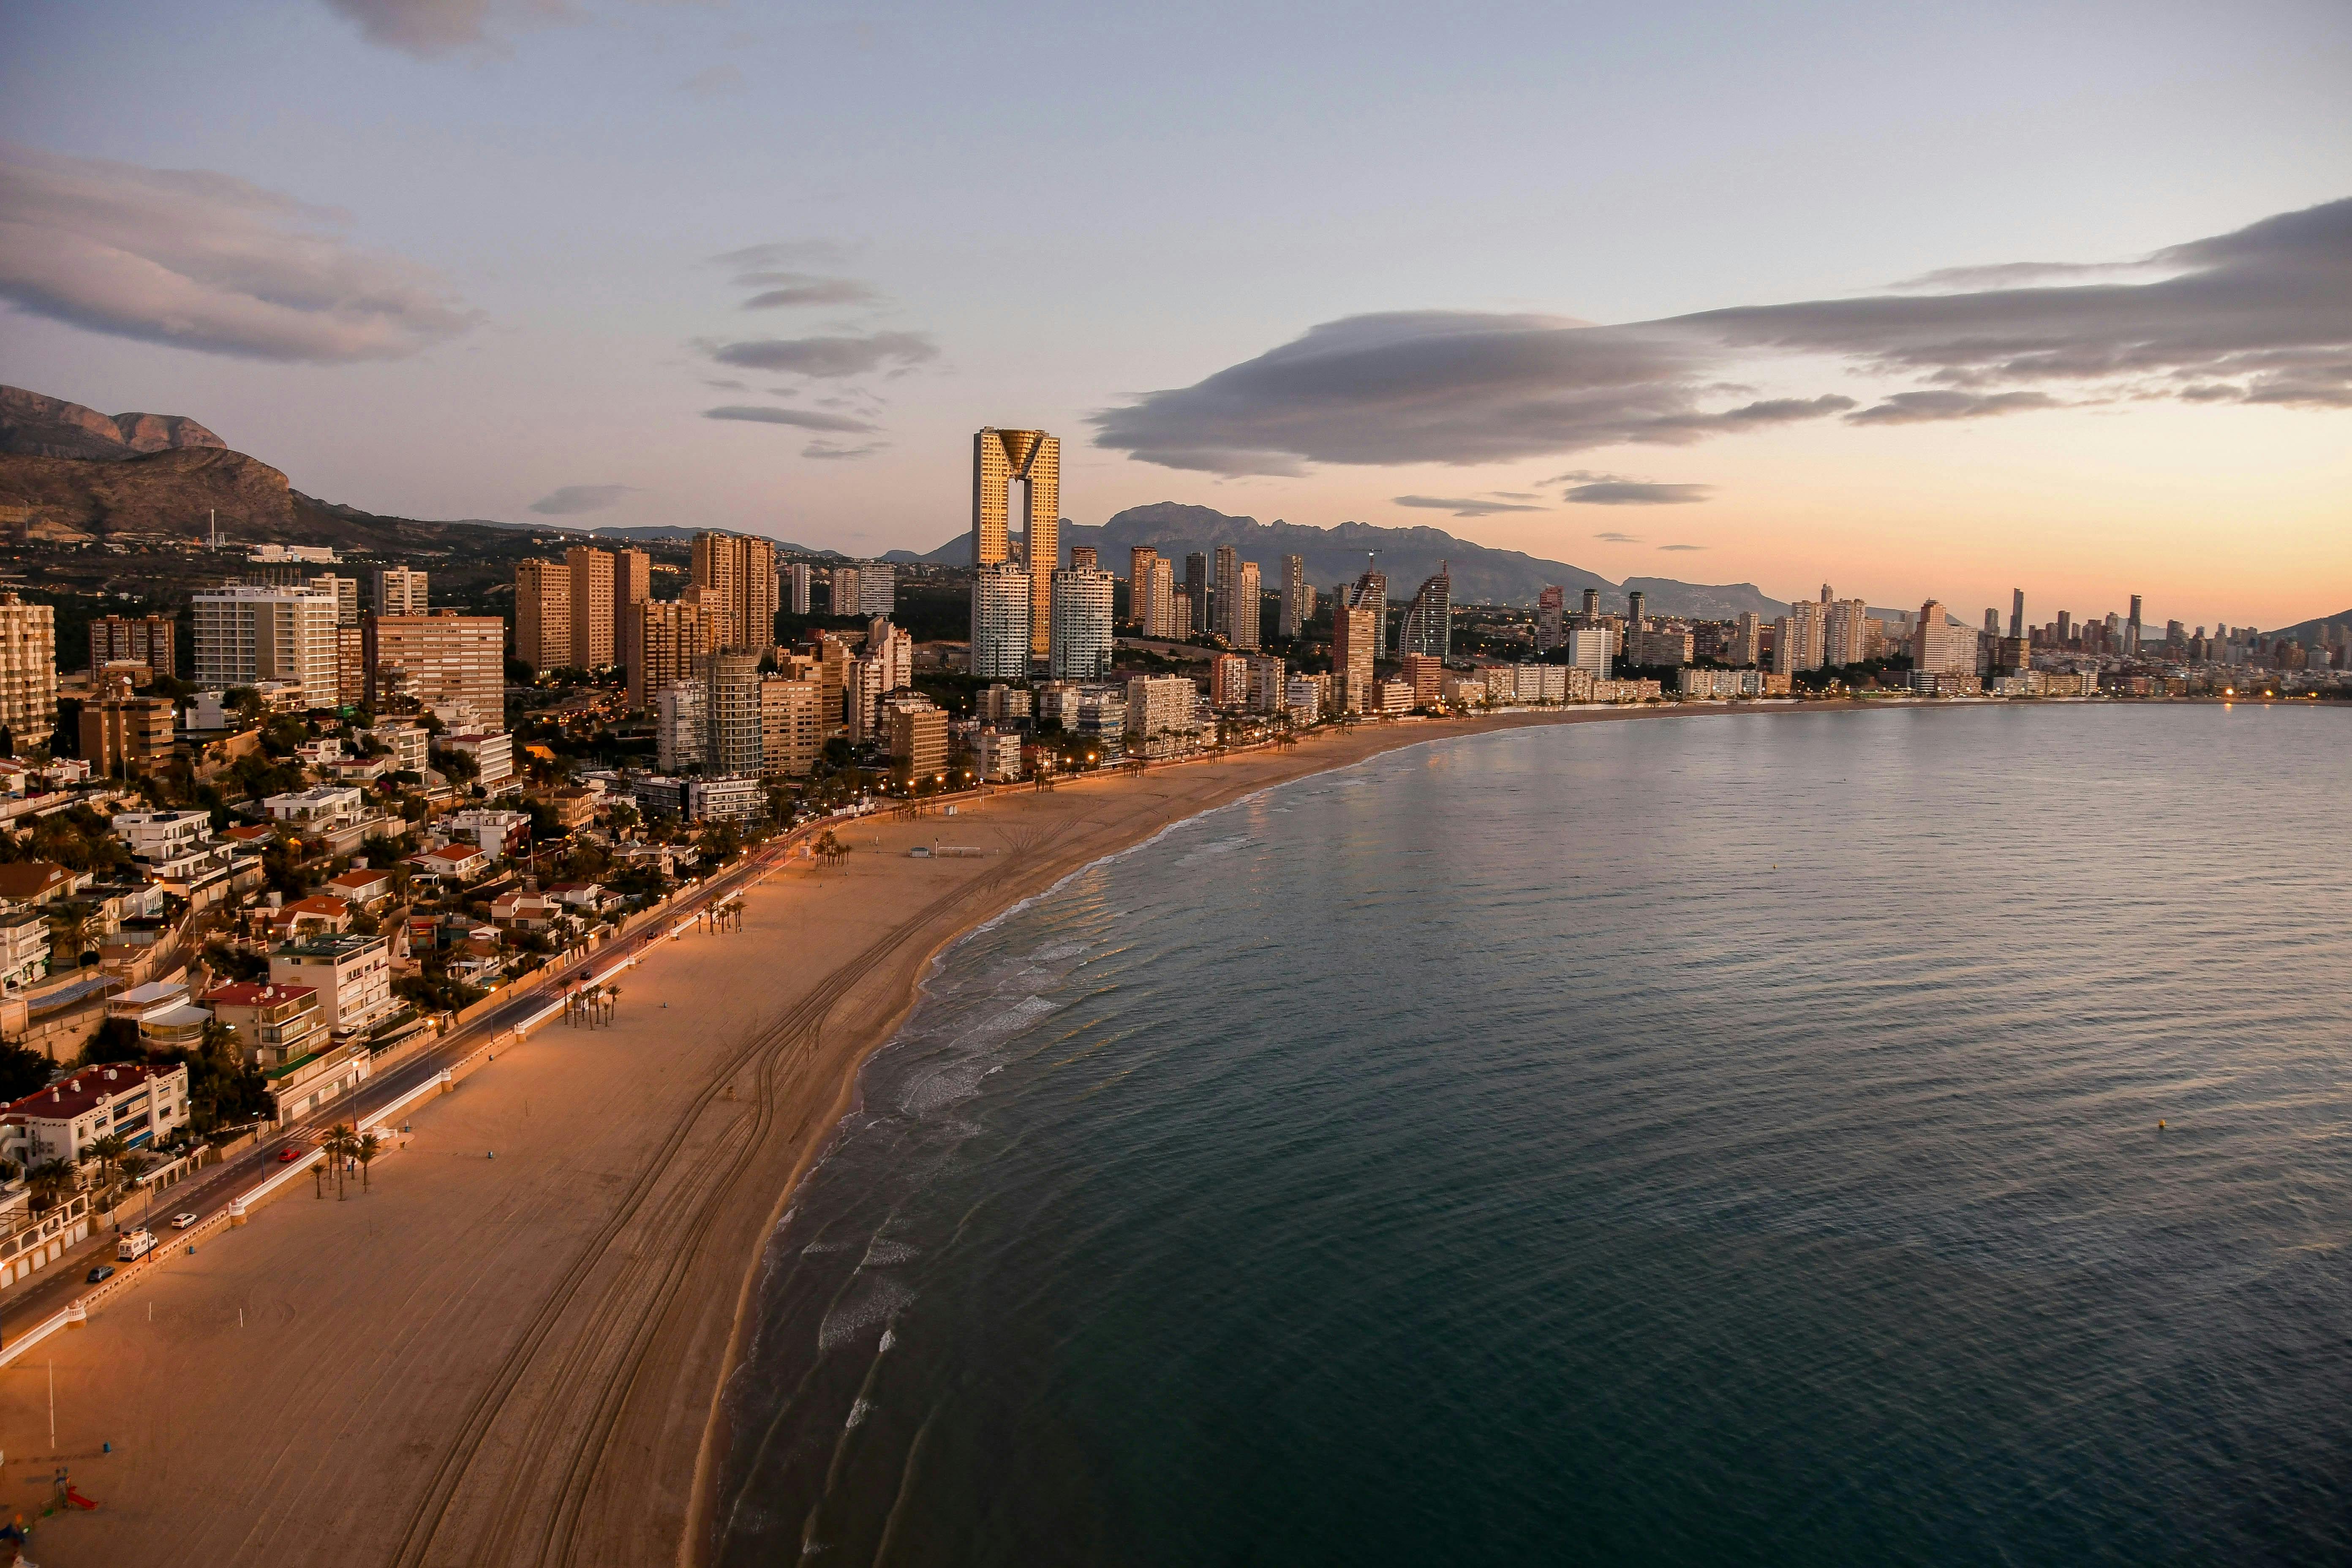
x=182 y=1221
x=104 y=1272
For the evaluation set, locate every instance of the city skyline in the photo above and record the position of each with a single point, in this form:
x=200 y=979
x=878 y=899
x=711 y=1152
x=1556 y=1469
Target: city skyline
x=588 y=312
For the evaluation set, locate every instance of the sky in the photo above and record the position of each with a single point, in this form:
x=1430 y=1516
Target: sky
x=1917 y=301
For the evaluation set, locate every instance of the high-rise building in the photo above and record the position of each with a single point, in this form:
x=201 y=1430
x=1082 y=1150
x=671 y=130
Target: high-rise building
x=2131 y=627
x=919 y=738
x=1297 y=599
x=893 y=649
x=1247 y=619
x=351 y=663
x=842 y=597
x=681 y=732
x=125 y=736
x=345 y=591
x=1226 y=586
x=797 y=578
x=398 y=591
x=1591 y=606
x=737 y=574
x=453 y=666
x=1429 y=621
x=1637 y=611
x=1000 y=622
x=1938 y=647
x=731 y=711
x=633 y=584
x=1080 y=647
x=1228 y=681
x=542 y=615
x=1588 y=648
x=1797 y=639
x=1034 y=458
x=1746 y=641
x=877 y=589
x=1267 y=677
x=150 y=640
x=29 y=668
x=1353 y=635
x=1550 y=606
x=1086 y=557
x=1425 y=673
x=1160 y=708
x=1140 y=559
x=2017 y=612
x=1845 y=632
x=592 y=607
x=1196 y=593
x=1160 y=602
x=1372 y=592
x=791 y=733
x=245 y=635
x=668 y=642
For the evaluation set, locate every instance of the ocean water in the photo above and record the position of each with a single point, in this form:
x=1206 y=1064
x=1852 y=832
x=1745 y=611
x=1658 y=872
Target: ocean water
x=1726 y=1140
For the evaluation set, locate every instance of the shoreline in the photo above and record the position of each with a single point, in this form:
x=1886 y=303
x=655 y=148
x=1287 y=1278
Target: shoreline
x=526 y=1358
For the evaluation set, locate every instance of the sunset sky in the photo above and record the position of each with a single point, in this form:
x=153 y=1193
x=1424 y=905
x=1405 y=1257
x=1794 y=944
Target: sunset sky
x=1717 y=292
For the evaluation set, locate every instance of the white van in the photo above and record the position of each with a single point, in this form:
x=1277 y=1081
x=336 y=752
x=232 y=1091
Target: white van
x=136 y=1244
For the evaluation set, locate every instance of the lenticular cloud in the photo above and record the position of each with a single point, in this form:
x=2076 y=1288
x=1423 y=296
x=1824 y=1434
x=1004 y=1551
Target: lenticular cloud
x=2262 y=315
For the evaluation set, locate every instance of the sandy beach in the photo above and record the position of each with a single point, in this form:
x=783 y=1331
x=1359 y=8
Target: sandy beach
x=506 y=1348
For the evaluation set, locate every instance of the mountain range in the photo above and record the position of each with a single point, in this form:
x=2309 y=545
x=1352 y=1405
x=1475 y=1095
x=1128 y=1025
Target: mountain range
x=1481 y=574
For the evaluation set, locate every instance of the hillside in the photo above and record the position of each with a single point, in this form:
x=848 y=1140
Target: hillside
x=1482 y=576
x=35 y=426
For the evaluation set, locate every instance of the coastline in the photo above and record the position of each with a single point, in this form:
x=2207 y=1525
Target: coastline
x=525 y=1359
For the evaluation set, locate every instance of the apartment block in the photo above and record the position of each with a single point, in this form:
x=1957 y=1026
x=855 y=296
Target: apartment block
x=543 y=615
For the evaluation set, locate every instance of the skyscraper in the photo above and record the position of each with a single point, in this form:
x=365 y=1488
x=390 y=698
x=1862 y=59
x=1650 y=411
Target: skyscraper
x=1081 y=641
x=1000 y=622
x=1196 y=593
x=1352 y=636
x=453 y=666
x=1034 y=458
x=731 y=713
x=796 y=578
x=681 y=732
x=1248 y=615
x=1228 y=564
x=791 y=733
x=1086 y=557
x=542 y=615
x=1161 y=603
x=737 y=574
x=668 y=642
x=1637 y=605
x=1797 y=639
x=2131 y=627
x=1139 y=560
x=592 y=607
x=1429 y=623
x=2017 y=612
x=1845 y=632
x=1591 y=606
x=1746 y=641
x=1588 y=648
x=245 y=635
x=1549 y=604
x=1297 y=599
x=150 y=639
x=1938 y=647
x=1372 y=592
x=633 y=584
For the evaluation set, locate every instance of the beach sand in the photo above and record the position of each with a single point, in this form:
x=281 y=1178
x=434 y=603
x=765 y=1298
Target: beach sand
x=515 y=1359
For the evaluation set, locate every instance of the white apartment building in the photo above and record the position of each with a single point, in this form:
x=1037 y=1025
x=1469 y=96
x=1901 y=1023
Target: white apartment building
x=1589 y=648
x=247 y=635
x=159 y=835
x=1158 y=609
x=1266 y=684
x=1159 y=710
x=493 y=756
x=996 y=755
x=136 y=1103
x=326 y=805
x=1302 y=699
x=680 y=728
x=1080 y=642
x=411 y=746
x=352 y=975
x=1000 y=622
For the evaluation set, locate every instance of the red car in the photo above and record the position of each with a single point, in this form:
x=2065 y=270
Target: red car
x=291 y=1153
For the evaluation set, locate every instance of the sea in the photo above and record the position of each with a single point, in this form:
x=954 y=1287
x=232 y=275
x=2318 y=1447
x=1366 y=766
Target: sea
x=1920 y=1135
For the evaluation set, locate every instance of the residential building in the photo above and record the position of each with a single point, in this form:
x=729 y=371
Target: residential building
x=1228 y=682
x=1355 y=633
x=350 y=664
x=274 y=1024
x=1845 y=632
x=493 y=753
x=160 y=835
x=1247 y=619
x=1266 y=684
x=731 y=715
x=246 y=636
x=1746 y=641
x=24 y=949
x=410 y=745
x=1425 y=673
x=919 y=739
x=797 y=578
x=135 y=1102
x=592 y=615
x=363 y=887
x=1000 y=704
x=1302 y=699
x=734 y=798
x=1140 y=559
x=862 y=694
x=1938 y=647
x=1699 y=684
x=1550 y=605
x=1669 y=649
x=737 y=574
x=1797 y=639
x=399 y=591
x=1159 y=714
x=842 y=593
x=668 y=642
x=999 y=458
x=1588 y=649
x=1160 y=609
x=123 y=736
x=542 y=615
x=681 y=728
x=1429 y=620
x=1196 y=595
x=996 y=754
x=352 y=975
x=1097 y=714
x=1390 y=697
x=878 y=589
x=894 y=650
x=633 y=584
x=1080 y=641
x=495 y=833
x=318 y=808
x=449 y=665
x=345 y=591
x=151 y=640
x=790 y=736
x=1297 y=599
x=1001 y=636
x=1372 y=592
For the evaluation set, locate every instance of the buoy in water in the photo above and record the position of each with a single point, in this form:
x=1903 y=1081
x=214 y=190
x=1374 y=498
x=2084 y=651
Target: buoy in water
x=2159 y=1124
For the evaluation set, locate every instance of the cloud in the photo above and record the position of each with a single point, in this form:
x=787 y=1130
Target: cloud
x=754 y=259
x=799 y=419
x=849 y=354
x=835 y=452
x=1629 y=492
x=206 y=261
x=2263 y=314
x=1514 y=495
x=1927 y=407
x=717 y=81
x=431 y=28
x=1461 y=506
x=1681 y=547
x=1619 y=537
x=572 y=500
x=806 y=289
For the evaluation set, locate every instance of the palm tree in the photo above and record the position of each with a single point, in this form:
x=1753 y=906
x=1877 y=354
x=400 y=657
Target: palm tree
x=106 y=1150
x=48 y=1181
x=365 y=1149
x=337 y=1145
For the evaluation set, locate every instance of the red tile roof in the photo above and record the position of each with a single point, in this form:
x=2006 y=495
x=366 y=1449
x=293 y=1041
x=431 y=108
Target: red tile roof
x=254 y=992
x=70 y=1097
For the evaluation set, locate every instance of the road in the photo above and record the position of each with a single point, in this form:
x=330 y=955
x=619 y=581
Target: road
x=212 y=1189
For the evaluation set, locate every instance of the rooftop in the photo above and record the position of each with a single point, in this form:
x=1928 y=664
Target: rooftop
x=70 y=1097
x=324 y=946
x=255 y=993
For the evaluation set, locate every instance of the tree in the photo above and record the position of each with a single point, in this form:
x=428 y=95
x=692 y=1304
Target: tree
x=365 y=1151
x=339 y=1145
x=106 y=1151
x=50 y=1181
x=23 y=1070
